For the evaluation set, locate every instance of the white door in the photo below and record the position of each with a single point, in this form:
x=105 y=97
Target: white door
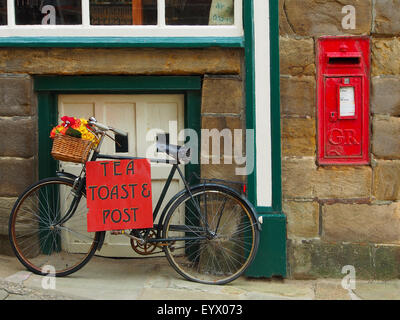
x=139 y=115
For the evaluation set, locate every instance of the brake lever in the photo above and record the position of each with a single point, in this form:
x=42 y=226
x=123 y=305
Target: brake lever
x=113 y=139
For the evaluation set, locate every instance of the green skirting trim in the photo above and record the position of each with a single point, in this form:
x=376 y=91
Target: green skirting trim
x=271 y=256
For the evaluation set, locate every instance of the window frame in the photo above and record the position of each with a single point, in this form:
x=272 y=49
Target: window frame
x=161 y=30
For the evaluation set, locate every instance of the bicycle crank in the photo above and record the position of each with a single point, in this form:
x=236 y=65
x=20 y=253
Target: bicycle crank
x=144 y=248
x=132 y=237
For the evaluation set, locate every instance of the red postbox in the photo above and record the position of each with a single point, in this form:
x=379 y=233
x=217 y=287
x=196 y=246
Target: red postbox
x=343 y=100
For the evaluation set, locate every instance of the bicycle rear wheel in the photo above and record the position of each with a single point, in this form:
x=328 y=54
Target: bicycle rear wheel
x=40 y=242
x=212 y=235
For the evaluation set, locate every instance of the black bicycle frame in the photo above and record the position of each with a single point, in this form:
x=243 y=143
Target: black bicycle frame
x=174 y=169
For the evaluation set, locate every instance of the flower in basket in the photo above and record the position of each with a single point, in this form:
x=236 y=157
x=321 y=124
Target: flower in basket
x=74 y=127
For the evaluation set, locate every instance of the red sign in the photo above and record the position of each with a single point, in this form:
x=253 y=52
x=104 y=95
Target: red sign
x=119 y=195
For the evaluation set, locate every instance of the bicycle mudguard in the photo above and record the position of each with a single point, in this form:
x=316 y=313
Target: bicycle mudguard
x=67 y=175
x=101 y=240
x=200 y=187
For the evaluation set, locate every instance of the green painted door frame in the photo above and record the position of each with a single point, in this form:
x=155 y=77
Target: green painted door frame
x=271 y=258
x=49 y=87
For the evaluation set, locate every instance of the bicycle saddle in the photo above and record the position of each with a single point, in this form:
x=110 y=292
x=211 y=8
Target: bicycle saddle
x=182 y=154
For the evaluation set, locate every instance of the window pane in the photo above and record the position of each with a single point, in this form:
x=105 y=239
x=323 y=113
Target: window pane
x=48 y=12
x=134 y=12
x=3 y=12
x=199 y=12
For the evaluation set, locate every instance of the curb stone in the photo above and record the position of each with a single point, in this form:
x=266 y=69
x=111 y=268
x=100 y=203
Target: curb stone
x=15 y=291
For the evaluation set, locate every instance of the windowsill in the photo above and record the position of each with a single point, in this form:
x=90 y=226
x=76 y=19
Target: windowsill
x=123 y=42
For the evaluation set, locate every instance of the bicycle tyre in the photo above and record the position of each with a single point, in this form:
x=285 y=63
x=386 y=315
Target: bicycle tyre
x=36 y=239
x=226 y=251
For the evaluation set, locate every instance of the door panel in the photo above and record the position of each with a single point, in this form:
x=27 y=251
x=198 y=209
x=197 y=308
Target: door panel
x=138 y=115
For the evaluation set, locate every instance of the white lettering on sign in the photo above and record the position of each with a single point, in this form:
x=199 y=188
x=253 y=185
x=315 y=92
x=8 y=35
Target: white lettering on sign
x=347 y=102
x=50 y=17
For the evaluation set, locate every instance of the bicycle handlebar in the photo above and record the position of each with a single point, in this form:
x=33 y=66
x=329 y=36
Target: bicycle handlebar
x=92 y=121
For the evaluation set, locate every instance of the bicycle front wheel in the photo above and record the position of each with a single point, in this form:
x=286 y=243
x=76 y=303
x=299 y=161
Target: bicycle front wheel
x=212 y=236
x=39 y=237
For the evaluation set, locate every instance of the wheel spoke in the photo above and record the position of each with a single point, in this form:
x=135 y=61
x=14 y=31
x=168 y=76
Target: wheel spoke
x=37 y=239
x=227 y=251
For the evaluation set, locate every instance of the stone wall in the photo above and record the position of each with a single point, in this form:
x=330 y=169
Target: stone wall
x=345 y=215
x=18 y=147
x=222 y=97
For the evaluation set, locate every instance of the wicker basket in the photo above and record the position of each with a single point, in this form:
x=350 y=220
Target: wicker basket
x=70 y=149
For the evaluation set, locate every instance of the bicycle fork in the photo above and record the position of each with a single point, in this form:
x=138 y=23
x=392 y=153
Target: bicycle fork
x=76 y=191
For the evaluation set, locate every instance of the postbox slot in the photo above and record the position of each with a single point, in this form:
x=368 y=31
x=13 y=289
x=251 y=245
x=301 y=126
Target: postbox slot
x=344 y=60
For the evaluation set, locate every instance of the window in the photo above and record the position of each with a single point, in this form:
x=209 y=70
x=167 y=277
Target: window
x=64 y=12
x=121 y=18
x=3 y=12
x=199 y=12
x=133 y=12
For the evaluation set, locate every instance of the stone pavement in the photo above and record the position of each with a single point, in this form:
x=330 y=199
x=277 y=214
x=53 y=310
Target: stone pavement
x=154 y=279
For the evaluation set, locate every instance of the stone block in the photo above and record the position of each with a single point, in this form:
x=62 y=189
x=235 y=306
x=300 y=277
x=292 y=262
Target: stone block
x=121 y=61
x=16 y=175
x=386 y=180
x=387 y=17
x=385 y=56
x=5 y=246
x=15 y=95
x=385 y=137
x=6 y=205
x=222 y=95
x=302 y=218
x=298 y=137
x=18 y=136
x=317 y=18
x=317 y=259
x=298 y=96
x=385 y=96
x=361 y=223
x=302 y=180
x=297 y=56
x=343 y=182
x=297 y=178
x=284 y=26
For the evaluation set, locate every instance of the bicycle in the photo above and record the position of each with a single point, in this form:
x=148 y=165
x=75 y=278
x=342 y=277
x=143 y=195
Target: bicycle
x=209 y=232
